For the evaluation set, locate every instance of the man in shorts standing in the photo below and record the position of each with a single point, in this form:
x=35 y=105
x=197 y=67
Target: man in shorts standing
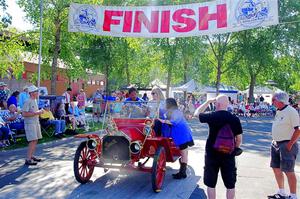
x=284 y=149
x=215 y=160
x=31 y=114
x=97 y=101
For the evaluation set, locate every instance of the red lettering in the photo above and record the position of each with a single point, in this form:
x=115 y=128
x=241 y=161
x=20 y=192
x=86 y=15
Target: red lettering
x=220 y=16
x=140 y=17
x=108 y=19
x=189 y=23
x=127 y=21
x=165 y=22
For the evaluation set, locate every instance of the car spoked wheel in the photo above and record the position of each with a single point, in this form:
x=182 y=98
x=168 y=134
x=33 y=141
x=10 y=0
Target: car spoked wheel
x=158 y=169
x=84 y=163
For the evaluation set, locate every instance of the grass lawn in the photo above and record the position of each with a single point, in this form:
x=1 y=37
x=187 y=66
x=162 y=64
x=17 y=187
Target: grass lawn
x=22 y=142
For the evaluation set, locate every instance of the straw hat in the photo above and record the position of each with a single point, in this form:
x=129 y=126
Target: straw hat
x=3 y=84
x=32 y=89
x=25 y=87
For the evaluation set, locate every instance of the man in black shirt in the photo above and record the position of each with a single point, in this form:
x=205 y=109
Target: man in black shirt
x=214 y=160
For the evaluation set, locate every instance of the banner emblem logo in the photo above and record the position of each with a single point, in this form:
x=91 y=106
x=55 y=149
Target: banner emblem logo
x=252 y=13
x=85 y=18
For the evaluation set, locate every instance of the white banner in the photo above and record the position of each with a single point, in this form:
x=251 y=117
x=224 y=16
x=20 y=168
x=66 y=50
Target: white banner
x=187 y=20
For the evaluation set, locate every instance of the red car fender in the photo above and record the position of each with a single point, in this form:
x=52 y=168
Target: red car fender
x=152 y=144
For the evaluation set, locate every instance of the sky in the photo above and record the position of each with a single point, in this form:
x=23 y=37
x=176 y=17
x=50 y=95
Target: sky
x=18 y=16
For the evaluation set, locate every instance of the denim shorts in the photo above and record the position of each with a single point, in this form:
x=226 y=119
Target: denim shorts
x=282 y=158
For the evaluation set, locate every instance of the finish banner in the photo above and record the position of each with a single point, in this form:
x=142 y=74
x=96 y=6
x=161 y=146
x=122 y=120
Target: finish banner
x=215 y=17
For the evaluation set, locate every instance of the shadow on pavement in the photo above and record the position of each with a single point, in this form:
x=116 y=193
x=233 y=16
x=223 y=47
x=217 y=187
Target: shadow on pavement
x=134 y=184
x=11 y=177
x=198 y=194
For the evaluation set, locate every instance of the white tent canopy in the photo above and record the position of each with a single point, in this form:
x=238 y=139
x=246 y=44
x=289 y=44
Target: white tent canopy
x=193 y=86
x=259 y=90
x=189 y=87
x=158 y=83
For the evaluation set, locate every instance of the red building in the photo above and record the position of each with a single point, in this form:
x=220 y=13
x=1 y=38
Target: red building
x=90 y=84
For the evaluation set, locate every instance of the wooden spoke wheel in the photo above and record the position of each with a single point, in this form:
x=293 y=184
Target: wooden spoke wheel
x=158 y=169
x=84 y=163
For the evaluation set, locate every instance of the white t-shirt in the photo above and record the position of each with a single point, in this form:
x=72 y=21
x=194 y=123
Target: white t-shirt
x=284 y=124
x=67 y=98
x=31 y=106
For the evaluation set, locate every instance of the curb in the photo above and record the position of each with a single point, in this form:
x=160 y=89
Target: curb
x=54 y=142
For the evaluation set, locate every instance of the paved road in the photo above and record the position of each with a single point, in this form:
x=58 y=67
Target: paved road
x=53 y=178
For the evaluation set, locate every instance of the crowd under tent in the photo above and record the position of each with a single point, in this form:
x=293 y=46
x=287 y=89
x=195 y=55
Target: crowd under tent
x=210 y=91
x=229 y=91
x=265 y=91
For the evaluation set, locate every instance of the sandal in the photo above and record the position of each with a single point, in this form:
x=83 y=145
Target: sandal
x=277 y=196
x=36 y=159
x=30 y=162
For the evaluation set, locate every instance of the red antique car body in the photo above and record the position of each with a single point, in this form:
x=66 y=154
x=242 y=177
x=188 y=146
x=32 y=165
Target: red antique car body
x=125 y=144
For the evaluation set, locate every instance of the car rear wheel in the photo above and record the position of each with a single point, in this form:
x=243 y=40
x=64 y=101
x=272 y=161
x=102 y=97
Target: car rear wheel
x=158 y=169
x=84 y=163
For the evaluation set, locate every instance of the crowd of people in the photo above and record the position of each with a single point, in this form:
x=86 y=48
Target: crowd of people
x=21 y=111
x=13 y=119
x=71 y=110
x=240 y=107
x=284 y=149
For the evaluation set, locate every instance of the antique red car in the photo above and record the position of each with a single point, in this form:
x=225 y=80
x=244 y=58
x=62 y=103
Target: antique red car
x=128 y=142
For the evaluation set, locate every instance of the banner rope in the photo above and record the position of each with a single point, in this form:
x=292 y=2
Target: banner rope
x=289 y=22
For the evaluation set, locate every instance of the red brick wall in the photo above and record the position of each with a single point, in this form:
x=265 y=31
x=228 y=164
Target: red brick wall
x=63 y=82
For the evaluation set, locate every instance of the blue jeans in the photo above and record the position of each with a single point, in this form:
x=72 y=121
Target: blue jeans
x=17 y=126
x=60 y=125
x=4 y=132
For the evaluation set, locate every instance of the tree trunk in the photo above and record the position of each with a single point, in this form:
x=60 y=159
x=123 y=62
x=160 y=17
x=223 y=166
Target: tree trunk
x=170 y=63
x=107 y=77
x=185 y=65
x=251 y=88
x=127 y=68
x=55 y=56
x=219 y=73
x=169 y=81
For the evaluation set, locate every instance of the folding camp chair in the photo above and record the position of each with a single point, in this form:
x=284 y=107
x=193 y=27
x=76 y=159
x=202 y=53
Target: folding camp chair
x=47 y=128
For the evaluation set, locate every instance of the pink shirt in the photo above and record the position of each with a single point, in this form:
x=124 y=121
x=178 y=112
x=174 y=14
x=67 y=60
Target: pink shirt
x=81 y=99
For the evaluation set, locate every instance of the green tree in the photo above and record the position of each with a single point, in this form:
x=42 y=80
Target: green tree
x=58 y=44
x=11 y=51
x=169 y=48
x=220 y=55
x=189 y=50
x=232 y=58
x=11 y=46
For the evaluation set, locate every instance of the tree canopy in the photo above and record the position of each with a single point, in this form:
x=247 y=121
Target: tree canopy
x=242 y=59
